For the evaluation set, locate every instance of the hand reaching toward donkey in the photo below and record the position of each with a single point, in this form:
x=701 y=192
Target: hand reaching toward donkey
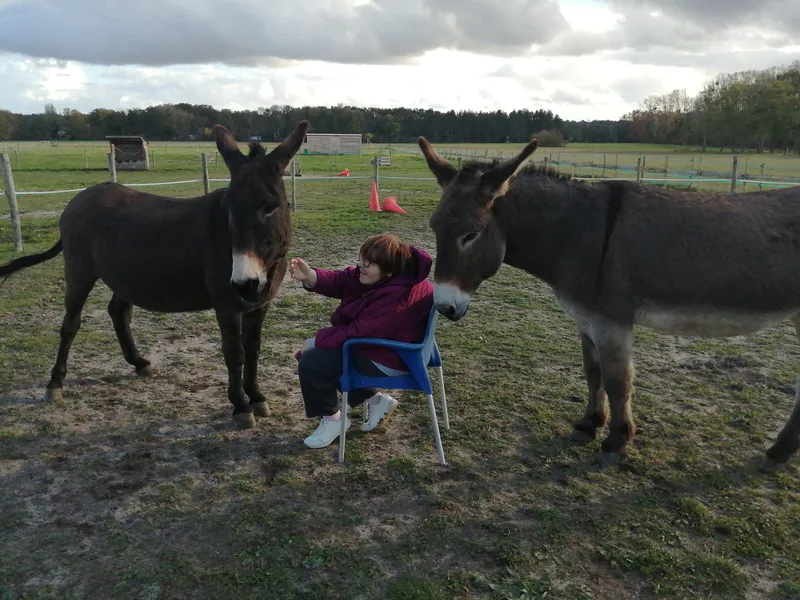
x=300 y=271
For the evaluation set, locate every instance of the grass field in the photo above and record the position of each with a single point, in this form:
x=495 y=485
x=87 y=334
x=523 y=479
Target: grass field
x=134 y=489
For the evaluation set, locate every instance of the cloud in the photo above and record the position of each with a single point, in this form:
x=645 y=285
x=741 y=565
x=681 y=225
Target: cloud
x=247 y=32
x=579 y=58
x=686 y=26
x=717 y=15
x=718 y=60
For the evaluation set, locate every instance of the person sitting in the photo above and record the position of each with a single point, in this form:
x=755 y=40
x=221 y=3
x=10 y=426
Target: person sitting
x=386 y=295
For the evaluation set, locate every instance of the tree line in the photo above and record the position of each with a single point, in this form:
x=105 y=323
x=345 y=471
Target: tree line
x=757 y=110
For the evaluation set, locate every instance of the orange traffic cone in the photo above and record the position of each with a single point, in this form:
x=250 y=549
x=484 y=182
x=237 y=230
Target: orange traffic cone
x=345 y=173
x=390 y=205
x=373 y=199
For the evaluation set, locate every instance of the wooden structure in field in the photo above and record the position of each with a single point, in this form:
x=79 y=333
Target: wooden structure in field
x=130 y=152
x=333 y=143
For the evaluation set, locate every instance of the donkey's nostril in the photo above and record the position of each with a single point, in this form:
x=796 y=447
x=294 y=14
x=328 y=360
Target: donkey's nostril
x=448 y=310
x=247 y=289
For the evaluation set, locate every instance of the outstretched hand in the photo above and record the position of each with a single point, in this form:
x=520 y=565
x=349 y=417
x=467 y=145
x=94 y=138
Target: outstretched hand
x=300 y=271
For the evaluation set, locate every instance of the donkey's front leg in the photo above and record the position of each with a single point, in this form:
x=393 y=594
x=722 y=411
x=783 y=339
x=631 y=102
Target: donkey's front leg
x=251 y=338
x=230 y=326
x=615 y=344
x=596 y=414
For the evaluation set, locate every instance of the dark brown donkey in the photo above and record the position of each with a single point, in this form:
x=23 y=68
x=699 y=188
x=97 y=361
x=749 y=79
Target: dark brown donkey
x=225 y=250
x=619 y=254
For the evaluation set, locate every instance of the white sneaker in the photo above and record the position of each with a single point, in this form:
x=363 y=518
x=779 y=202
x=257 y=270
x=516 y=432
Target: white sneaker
x=380 y=411
x=325 y=434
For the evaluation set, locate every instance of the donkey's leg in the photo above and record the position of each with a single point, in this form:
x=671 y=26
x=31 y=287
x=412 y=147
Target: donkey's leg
x=120 y=311
x=596 y=414
x=615 y=344
x=251 y=338
x=230 y=326
x=78 y=287
x=788 y=440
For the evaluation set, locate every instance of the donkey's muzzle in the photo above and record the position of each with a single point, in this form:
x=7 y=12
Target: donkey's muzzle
x=451 y=312
x=248 y=290
x=450 y=301
x=248 y=276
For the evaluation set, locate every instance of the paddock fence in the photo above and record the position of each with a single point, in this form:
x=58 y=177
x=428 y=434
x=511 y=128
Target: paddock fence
x=691 y=174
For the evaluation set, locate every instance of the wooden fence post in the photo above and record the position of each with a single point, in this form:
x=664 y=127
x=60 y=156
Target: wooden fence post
x=294 y=184
x=205 y=172
x=734 y=173
x=639 y=170
x=112 y=164
x=377 y=175
x=11 y=194
x=744 y=180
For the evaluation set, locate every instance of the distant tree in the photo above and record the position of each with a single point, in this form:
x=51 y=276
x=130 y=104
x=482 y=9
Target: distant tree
x=551 y=138
x=7 y=124
x=743 y=110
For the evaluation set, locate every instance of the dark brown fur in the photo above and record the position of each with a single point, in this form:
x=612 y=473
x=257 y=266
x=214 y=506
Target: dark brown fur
x=619 y=254
x=177 y=254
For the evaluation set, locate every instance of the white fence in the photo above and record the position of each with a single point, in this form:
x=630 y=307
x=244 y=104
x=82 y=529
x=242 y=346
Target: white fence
x=378 y=161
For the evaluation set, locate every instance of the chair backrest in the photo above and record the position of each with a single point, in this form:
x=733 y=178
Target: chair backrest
x=430 y=335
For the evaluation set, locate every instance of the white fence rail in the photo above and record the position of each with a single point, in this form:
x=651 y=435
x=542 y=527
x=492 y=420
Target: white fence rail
x=11 y=193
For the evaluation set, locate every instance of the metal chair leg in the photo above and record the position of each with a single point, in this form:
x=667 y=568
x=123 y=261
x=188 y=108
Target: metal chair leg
x=445 y=416
x=343 y=431
x=436 y=435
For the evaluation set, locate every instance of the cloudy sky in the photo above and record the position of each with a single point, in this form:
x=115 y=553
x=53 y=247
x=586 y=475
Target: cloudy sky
x=582 y=59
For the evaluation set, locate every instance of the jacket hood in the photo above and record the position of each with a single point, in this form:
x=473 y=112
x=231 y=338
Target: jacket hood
x=422 y=262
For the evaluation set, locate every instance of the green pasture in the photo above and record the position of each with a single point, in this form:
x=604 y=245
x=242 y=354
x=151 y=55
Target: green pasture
x=140 y=489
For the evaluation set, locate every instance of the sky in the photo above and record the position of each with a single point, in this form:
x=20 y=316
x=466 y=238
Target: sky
x=581 y=59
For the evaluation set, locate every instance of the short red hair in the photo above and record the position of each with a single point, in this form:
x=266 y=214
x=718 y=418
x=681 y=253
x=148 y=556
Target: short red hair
x=388 y=252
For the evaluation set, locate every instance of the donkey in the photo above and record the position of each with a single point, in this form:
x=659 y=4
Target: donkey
x=619 y=254
x=225 y=250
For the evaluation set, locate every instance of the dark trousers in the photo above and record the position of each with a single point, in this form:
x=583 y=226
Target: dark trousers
x=319 y=370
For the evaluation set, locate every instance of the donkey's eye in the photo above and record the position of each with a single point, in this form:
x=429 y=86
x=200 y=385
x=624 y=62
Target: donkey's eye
x=466 y=239
x=265 y=212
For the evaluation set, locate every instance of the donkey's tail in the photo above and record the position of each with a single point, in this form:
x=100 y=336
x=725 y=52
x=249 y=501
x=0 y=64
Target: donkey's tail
x=28 y=261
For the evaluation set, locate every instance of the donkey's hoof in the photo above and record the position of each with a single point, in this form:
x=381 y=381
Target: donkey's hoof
x=146 y=371
x=261 y=409
x=244 y=420
x=771 y=466
x=53 y=395
x=580 y=436
x=608 y=459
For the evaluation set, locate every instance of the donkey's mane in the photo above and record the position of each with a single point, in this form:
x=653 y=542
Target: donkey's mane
x=475 y=166
x=256 y=150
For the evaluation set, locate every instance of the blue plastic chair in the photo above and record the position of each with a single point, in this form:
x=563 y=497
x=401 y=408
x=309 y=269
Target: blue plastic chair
x=418 y=357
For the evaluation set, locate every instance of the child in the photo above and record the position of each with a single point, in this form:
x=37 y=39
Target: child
x=387 y=295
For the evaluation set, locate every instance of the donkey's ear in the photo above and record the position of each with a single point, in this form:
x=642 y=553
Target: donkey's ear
x=441 y=169
x=228 y=148
x=493 y=182
x=285 y=151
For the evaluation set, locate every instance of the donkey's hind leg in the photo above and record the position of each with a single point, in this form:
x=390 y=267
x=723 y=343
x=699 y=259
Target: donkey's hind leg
x=615 y=347
x=596 y=414
x=78 y=287
x=120 y=312
x=788 y=440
